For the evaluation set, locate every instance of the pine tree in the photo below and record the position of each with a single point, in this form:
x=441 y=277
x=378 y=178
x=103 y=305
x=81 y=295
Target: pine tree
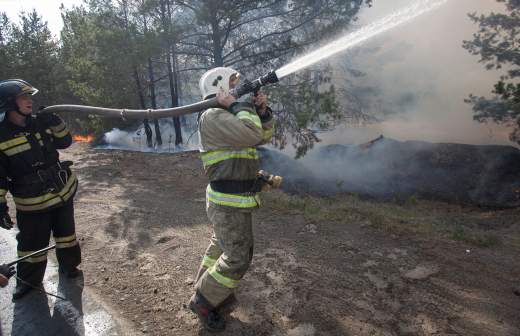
x=497 y=42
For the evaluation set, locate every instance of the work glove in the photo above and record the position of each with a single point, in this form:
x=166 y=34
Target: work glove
x=7 y=270
x=260 y=101
x=268 y=181
x=6 y=222
x=48 y=119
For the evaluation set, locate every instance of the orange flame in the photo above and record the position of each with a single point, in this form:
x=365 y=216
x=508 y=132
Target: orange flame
x=83 y=138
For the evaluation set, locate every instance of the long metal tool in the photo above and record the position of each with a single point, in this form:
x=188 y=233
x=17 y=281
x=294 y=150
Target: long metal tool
x=31 y=255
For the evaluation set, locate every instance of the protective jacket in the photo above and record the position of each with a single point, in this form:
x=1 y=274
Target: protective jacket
x=228 y=140
x=30 y=168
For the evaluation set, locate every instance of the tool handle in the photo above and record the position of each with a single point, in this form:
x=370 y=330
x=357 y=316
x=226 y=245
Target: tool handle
x=30 y=255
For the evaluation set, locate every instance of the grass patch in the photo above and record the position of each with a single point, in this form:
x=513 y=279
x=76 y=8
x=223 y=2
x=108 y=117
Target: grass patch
x=413 y=217
x=475 y=238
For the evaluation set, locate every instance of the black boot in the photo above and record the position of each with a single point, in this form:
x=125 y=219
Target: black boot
x=21 y=290
x=72 y=273
x=207 y=314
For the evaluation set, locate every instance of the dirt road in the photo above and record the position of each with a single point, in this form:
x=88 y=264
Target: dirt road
x=334 y=266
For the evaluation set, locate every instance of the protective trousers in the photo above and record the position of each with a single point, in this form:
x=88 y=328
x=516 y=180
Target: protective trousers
x=35 y=230
x=228 y=255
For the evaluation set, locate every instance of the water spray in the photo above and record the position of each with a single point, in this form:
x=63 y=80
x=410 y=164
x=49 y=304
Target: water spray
x=346 y=42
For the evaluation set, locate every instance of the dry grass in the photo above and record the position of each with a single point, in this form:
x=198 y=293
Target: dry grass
x=414 y=216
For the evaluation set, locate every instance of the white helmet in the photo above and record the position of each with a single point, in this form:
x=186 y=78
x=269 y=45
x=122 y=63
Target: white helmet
x=215 y=79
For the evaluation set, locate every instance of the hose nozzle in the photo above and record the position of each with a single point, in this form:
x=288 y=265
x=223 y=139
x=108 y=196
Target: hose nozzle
x=254 y=86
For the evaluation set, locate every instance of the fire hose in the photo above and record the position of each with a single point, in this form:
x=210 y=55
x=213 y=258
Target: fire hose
x=245 y=88
x=268 y=181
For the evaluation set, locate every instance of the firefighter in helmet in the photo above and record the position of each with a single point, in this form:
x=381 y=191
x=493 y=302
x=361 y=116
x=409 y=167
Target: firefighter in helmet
x=42 y=186
x=228 y=139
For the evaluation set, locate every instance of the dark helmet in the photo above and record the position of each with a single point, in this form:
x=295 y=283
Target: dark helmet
x=12 y=88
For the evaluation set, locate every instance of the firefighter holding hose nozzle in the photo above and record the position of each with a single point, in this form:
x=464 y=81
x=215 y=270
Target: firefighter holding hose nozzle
x=228 y=138
x=42 y=186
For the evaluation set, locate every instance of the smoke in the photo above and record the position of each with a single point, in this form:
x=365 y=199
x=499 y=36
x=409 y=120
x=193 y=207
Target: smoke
x=420 y=76
x=136 y=140
x=390 y=169
x=416 y=79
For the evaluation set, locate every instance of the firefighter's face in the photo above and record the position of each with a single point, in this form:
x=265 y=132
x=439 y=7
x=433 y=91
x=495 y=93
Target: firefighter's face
x=24 y=103
x=233 y=81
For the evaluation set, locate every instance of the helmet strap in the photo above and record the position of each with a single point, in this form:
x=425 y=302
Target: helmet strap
x=15 y=108
x=20 y=113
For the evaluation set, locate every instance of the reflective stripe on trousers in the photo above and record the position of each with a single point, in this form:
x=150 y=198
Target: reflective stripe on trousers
x=64 y=242
x=34 y=259
x=224 y=281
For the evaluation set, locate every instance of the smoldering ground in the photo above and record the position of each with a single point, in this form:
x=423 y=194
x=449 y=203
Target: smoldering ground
x=394 y=170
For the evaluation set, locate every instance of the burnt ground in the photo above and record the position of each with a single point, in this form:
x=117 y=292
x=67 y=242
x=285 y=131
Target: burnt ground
x=322 y=266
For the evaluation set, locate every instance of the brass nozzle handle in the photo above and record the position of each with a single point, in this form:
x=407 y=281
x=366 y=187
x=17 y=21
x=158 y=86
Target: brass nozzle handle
x=272 y=181
x=275 y=181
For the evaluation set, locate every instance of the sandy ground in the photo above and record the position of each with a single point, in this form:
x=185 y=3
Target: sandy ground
x=336 y=266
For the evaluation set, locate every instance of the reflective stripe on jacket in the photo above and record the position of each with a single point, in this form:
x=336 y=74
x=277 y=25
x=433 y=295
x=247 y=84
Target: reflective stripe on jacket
x=216 y=156
x=228 y=152
x=232 y=200
x=50 y=199
x=26 y=155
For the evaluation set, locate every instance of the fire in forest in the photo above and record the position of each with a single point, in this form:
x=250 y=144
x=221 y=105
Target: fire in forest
x=83 y=138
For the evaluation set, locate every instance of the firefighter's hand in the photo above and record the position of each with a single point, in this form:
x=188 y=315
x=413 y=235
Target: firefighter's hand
x=225 y=99
x=48 y=119
x=5 y=273
x=260 y=102
x=6 y=222
x=7 y=270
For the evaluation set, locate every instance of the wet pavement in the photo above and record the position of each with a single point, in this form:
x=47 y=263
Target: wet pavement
x=78 y=313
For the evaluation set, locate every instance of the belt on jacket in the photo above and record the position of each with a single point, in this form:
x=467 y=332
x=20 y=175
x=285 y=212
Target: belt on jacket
x=53 y=178
x=235 y=187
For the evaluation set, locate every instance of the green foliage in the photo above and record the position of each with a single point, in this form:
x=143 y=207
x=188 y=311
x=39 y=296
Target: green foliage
x=497 y=43
x=97 y=56
x=256 y=36
x=5 y=38
x=28 y=51
x=112 y=54
x=479 y=239
x=305 y=104
x=91 y=125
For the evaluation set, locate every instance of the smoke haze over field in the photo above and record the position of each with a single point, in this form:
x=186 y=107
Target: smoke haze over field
x=422 y=76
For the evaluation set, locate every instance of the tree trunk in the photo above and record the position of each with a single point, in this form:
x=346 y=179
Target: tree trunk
x=172 y=71
x=153 y=100
x=147 y=128
x=218 y=59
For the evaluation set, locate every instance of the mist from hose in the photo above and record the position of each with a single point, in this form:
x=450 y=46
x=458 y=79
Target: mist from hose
x=350 y=40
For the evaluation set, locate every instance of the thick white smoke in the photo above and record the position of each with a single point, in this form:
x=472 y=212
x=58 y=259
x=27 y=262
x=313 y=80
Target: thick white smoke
x=136 y=140
x=422 y=76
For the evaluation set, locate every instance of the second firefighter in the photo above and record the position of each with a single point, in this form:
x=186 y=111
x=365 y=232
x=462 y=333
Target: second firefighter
x=43 y=187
